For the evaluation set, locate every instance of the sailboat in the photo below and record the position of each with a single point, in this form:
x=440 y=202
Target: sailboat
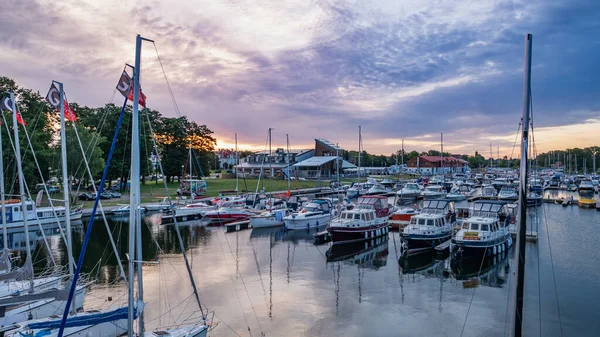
x=115 y=322
x=273 y=216
x=23 y=296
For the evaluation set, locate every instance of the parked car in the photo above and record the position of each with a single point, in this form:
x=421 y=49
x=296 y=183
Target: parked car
x=87 y=196
x=113 y=194
x=105 y=195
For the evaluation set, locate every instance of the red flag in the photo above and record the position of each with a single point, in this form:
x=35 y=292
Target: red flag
x=69 y=114
x=141 y=97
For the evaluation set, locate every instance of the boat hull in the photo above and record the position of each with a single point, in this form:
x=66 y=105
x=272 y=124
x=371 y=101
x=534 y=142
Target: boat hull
x=476 y=248
x=263 y=222
x=399 y=221
x=307 y=222
x=219 y=219
x=341 y=235
x=418 y=243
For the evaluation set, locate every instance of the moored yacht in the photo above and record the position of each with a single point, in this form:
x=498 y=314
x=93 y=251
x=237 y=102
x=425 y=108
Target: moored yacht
x=357 y=189
x=270 y=218
x=36 y=215
x=509 y=193
x=409 y=191
x=377 y=189
x=431 y=227
x=433 y=192
x=400 y=218
x=318 y=212
x=486 y=231
x=586 y=186
x=489 y=192
x=367 y=220
x=224 y=215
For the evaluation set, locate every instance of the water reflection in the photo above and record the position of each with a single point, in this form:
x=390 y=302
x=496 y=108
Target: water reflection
x=489 y=271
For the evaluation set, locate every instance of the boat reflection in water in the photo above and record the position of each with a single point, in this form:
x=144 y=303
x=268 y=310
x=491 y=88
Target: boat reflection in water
x=427 y=264
x=367 y=254
x=491 y=271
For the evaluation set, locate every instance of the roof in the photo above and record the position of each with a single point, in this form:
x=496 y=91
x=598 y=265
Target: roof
x=435 y=159
x=497 y=202
x=329 y=144
x=315 y=161
x=259 y=165
x=347 y=164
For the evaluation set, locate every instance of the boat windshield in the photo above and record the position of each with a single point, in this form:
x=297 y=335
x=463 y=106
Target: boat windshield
x=486 y=210
x=437 y=206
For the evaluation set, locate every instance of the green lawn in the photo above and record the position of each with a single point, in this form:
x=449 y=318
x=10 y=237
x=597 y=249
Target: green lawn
x=151 y=190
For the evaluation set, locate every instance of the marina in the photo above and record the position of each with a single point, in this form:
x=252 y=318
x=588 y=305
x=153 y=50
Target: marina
x=123 y=220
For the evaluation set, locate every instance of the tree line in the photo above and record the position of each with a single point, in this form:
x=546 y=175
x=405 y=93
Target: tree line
x=96 y=127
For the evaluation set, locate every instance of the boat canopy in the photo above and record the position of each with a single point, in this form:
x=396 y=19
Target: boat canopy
x=437 y=206
x=488 y=208
x=376 y=201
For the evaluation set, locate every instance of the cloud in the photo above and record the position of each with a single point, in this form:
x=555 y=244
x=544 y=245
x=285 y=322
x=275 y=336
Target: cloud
x=318 y=69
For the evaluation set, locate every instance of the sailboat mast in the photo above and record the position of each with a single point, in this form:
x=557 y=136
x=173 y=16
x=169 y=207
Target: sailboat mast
x=28 y=262
x=65 y=182
x=442 y=155
x=359 y=146
x=402 y=151
x=518 y=309
x=135 y=260
x=2 y=197
x=287 y=144
x=237 y=162
x=270 y=172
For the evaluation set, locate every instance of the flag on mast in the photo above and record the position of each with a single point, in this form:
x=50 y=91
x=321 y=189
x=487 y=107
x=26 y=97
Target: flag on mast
x=125 y=87
x=7 y=105
x=53 y=97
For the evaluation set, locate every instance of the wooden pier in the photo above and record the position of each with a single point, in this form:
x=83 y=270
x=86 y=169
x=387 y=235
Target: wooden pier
x=237 y=226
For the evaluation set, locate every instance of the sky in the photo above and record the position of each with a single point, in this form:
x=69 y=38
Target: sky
x=318 y=69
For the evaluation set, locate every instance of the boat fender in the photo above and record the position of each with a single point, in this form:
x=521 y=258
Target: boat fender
x=494 y=250
x=366 y=235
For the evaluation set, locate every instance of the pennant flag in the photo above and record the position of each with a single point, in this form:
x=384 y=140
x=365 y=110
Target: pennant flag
x=69 y=113
x=8 y=106
x=125 y=87
x=53 y=97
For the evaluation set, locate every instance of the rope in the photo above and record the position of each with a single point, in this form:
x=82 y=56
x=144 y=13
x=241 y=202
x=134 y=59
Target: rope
x=473 y=294
x=90 y=225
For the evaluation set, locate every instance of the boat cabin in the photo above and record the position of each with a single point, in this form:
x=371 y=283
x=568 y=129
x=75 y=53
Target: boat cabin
x=356 y=218
x=318 y=206
x=378 y=203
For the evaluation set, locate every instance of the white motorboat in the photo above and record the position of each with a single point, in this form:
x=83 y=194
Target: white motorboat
x=409 y=191
x=36 y=215
x=509 y=193
x=317 y=213
x=455 y=195
x=489 y=191
x=161 y=206
x=486 y=231
x=431 y=227
x=433 y=192
x=368 y=220
x=270 y=218
x=357 y=189
x=376 y=189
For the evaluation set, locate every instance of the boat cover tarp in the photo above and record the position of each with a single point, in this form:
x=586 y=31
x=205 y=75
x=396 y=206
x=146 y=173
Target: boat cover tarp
x=83 y=320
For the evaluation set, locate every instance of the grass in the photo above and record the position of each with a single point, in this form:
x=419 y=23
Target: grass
x=151 y=190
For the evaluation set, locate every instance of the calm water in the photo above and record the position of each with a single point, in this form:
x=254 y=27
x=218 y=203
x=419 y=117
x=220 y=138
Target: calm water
x=285 y=285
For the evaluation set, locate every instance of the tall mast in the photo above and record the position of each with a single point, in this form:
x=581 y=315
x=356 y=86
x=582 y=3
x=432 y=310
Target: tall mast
x=518 y=310
x=359 y=146
x=28 y=262
x=442 y=154
x=236 y=166
x=65 y=182
x=2 y=197
x=287 y=144
x=402 y=151
x=270 y=203
x=135 y=227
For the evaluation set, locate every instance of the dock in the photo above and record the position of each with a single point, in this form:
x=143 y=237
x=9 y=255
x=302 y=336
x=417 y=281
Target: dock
x=168 y=219
x=443 y=246
x=322 y=237
x=237 y=226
